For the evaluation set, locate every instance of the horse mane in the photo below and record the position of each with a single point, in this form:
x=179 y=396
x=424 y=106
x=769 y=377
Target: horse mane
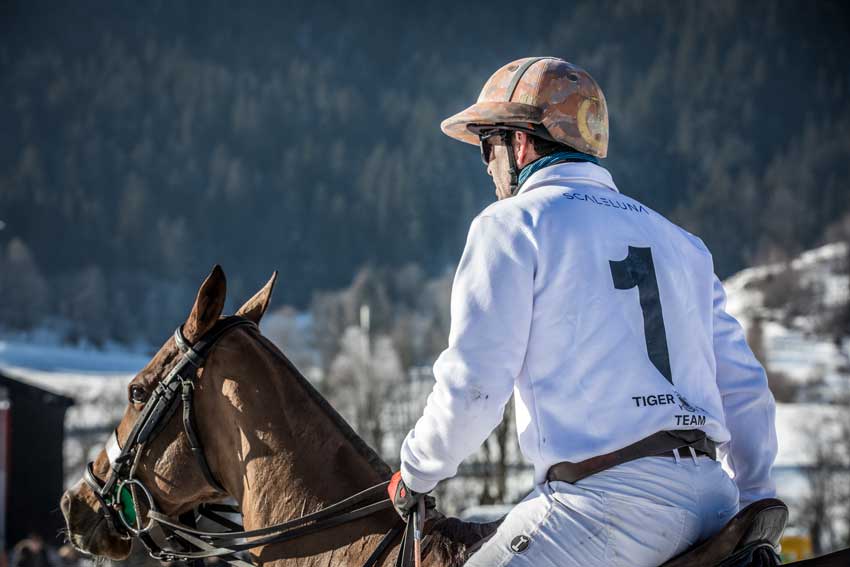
x=374 y=460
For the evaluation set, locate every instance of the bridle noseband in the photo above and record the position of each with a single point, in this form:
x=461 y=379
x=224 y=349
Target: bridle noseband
x=118 y=494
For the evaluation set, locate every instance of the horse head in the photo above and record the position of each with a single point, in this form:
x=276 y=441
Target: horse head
x=153 y=464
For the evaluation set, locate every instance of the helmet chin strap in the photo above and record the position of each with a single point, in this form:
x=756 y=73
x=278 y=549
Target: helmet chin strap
x=513 y=169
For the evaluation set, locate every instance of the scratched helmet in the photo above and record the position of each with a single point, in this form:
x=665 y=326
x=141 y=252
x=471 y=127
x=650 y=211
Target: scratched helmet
x=545 y=96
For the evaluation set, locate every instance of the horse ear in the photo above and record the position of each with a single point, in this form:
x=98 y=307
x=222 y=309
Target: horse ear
x=208 y=305
x=257 y=305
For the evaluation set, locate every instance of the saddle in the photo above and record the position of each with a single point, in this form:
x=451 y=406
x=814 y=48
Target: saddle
x=750 y=539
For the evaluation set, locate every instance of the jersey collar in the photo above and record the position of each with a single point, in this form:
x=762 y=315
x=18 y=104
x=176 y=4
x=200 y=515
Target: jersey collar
x=571 y=171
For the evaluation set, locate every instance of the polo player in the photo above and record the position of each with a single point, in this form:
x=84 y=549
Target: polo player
x=606 y=322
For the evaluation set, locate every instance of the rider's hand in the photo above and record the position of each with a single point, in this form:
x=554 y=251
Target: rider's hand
x=405 y=499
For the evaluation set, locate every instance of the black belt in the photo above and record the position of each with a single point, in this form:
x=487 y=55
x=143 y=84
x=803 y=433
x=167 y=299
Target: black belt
x=659 y=444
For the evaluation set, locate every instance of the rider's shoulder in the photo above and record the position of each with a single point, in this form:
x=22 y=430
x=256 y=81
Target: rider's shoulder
x=695 y=241
x=508 y=212
x=506 y=217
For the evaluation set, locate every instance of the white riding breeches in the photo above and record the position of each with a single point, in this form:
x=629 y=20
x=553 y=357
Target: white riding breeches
x=640 y=513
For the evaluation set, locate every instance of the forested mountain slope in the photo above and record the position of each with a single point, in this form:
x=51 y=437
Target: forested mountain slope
x=143 y=142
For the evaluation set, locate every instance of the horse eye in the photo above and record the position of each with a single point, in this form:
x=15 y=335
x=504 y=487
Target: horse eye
x=138 y=395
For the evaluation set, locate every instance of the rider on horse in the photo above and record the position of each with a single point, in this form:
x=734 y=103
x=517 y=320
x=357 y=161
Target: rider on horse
x=606 y=322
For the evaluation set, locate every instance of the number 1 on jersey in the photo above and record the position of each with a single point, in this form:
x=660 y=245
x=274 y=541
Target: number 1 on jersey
x=637 y=270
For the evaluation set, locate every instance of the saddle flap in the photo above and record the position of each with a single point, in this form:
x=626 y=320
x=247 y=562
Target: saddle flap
x=761 y=521
x=767 y=523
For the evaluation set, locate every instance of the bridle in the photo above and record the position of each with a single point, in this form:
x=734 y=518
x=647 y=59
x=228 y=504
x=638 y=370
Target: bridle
x=118 y=495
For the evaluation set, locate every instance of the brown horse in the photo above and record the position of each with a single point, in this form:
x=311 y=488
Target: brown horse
x=271 y=441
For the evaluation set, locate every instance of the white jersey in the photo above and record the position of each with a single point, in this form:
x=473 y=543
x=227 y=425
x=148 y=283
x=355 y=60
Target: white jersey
x=607 y=323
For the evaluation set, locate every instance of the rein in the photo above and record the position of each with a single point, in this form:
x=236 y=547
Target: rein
x=119 y=494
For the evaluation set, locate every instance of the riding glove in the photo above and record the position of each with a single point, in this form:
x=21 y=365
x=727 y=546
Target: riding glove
x=404 y=500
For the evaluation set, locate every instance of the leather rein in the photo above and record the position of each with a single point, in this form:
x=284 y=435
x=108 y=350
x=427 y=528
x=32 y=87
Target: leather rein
x=119 y=494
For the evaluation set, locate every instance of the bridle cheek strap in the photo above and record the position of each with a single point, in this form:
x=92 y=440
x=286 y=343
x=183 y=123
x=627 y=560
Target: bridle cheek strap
x=192 y=436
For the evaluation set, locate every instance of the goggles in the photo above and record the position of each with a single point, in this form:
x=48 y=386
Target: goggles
x=487 y=146
x=486 y=132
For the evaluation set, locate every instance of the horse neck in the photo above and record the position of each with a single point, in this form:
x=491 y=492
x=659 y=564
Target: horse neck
x=287 y=453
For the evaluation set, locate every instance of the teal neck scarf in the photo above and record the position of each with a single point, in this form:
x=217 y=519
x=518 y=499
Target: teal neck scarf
x=551 y=159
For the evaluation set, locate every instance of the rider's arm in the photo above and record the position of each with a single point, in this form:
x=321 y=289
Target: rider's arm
x=490 y=320
x=747 y=403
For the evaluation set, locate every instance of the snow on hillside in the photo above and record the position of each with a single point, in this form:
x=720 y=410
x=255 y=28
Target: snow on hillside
x=793 y=303
x=792 y=307
x=821 y=266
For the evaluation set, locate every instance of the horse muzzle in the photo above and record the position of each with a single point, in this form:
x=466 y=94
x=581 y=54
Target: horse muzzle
x=88 y=529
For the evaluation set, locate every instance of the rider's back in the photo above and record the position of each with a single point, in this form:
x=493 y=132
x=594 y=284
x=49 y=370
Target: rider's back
x=621 y=335
x=627 y=336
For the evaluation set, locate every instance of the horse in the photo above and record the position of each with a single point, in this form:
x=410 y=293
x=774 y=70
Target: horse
x=254 y=430
x=272 y=443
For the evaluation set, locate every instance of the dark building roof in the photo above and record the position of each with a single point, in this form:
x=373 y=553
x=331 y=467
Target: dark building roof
x=18 y=388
